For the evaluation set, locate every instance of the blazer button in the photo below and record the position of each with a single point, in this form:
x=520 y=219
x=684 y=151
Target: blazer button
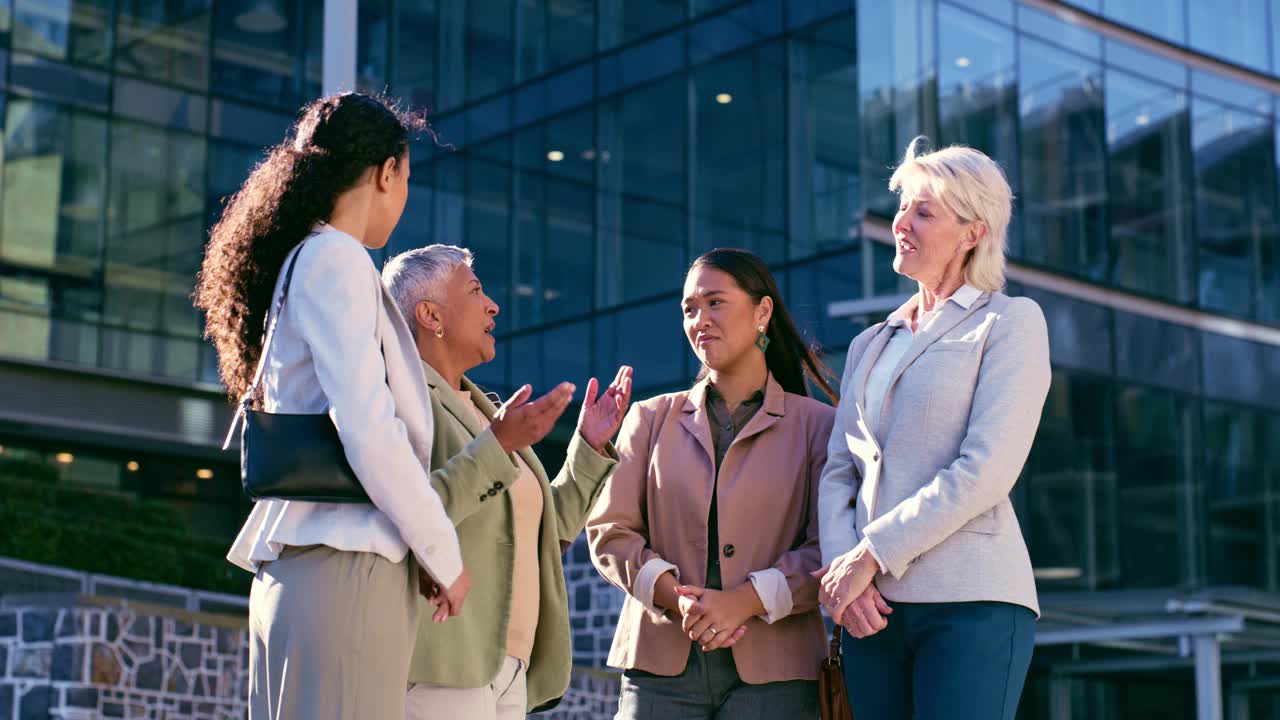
x=492 y=492
x=729 y=550
x=876 y=457
x=497 y=486
x=483 y=498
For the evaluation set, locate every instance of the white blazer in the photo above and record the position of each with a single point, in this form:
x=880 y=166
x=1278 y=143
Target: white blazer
x=957 y=422
x=325 y=357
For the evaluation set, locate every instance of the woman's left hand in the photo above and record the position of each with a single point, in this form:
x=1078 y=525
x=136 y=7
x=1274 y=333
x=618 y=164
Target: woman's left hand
x=601 y=417
x=846 y=578
x=718 y=617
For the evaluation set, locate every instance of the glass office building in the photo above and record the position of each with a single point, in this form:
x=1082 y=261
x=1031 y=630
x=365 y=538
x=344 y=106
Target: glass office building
x=587 y=151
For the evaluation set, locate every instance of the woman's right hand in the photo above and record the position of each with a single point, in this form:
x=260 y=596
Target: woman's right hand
x=518 y=424
x=448 y=601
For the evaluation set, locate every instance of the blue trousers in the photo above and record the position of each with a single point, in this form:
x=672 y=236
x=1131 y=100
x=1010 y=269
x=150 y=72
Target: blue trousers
x=710 y=689
x=941 y=661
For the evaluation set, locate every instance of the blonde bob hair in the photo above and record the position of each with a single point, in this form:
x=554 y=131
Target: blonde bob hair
x=973 y=187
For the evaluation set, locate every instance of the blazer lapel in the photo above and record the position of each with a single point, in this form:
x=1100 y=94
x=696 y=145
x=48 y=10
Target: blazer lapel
x=874 y=347
x=695 y=419
x=448 y=398
x=775 y=406
x=951 y=315
x=405 y=376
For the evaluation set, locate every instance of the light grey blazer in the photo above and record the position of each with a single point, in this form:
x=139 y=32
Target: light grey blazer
x=958 y=419
x=342 y=347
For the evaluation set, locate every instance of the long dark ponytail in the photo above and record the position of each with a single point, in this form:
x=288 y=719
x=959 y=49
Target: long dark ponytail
x=789 y=358
x=335 y=140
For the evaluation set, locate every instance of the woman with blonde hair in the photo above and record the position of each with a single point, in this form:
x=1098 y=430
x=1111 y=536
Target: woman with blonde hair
x=941 y=404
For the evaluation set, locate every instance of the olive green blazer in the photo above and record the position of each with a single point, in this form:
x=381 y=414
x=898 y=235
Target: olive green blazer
x=471 y=473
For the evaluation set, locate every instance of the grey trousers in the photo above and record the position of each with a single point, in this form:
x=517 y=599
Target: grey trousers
x=710 y=689
x=330 y=636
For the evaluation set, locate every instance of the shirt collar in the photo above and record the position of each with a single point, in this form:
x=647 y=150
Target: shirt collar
x=964 y=296
x=756 y=397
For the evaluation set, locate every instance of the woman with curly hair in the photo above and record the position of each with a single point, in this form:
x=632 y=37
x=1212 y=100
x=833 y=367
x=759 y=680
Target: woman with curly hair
x=332 y=610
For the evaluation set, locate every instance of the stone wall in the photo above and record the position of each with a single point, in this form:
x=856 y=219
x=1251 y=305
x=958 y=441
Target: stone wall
x=80 y=658
x=75 y=657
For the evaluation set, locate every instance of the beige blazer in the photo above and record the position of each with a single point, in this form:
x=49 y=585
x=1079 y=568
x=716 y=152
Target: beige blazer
x=957 y=423
x=656 y=506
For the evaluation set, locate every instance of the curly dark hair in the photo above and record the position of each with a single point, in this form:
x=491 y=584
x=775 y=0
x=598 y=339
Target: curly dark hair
x=334 y=141
x=790 y=358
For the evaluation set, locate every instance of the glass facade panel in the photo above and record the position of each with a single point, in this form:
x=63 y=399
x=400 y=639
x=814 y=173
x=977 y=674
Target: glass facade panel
x=1234 y=490
x=1235 y=204
x=1064 y=162
x=164 y=40
x=738 y=196
x=1235 y=30
x=621 y=21
x=552 y=34
x=825 y=195
x=372 y=37
x=1149 y=187
x=257 y=51
x=417 y=30
x=977 y=96
x=1163 y=18
x=71 y=30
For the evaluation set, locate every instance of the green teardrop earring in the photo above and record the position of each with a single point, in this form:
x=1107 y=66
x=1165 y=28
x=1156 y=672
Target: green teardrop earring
x=762 y=340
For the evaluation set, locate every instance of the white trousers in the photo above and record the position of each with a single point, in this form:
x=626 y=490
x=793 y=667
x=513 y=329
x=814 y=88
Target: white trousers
x=502 y=699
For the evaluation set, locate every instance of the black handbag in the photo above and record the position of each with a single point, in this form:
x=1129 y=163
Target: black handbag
x=291 y=456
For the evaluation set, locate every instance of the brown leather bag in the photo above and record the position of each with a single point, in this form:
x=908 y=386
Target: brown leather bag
x=833 y=696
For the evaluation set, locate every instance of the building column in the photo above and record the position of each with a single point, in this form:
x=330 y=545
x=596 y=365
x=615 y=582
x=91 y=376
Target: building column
x=338 y=64
x=1208 y=677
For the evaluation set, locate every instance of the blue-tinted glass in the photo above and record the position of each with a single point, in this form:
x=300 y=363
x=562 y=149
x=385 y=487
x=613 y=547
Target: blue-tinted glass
x=552 y=34
x=414 y=228
x=738 y=28
x=824 y=139
x=245 y=124
x=571 y=152
x=492 y=376
x=1079 y=331
x=528 y=249
x=229 y=166
x=164 y=40
x=702 y=7
x=621 y=21
x=567 y=357
x=1158 y=447
x=895 y=42
x=650 y=338
x=54 y=188
x=1069 y=483
x=74 y=30
x=813 y=286
x=1149 y=187
x=1235 y=203
x=1275 y=38
x=488 y=194
x=1269 y=265
x=739 y=153
x=1232 y=29
x=1226 y=90
x=801 y=14
x=313 y=23
x=416 y=30
x=1156 y=352
x=1239 y=370
x=1234 y=494
x=37 y=77
x=640 y=64
x=141 y=100
x=489 y=119
x=256 y=50
x=1000 y=10
x=977 y=99
x=528 y=364
x=371 y=45
x=1090 y=5
x=489 y=63
x=156 y=220
x=570 y=89
x=1121 y=55
x=1059 y=29
x=1064 y=150
x=565 y=287
x=1162 y=18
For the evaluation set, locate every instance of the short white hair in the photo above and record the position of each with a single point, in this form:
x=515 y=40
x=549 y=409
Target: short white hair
x=973 y=187
x=422 y=274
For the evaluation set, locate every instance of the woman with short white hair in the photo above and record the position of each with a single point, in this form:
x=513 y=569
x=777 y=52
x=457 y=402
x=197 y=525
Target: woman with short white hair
x=940 y=404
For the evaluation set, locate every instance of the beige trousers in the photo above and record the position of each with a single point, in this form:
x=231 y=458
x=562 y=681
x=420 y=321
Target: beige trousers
x=330 y=636
x=502 y=699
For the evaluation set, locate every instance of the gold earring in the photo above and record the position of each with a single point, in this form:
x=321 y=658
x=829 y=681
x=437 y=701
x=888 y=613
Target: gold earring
x=440 y=332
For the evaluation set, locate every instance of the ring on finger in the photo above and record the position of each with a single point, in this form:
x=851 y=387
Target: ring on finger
x=713 y=631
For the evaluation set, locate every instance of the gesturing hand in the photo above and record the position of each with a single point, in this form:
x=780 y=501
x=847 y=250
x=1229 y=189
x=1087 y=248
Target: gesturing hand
x=712 y=618
x=518 y=424
x=866 y=616
x=600 y=418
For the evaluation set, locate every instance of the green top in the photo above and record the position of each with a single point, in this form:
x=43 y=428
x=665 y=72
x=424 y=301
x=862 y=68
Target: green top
x=471 y=473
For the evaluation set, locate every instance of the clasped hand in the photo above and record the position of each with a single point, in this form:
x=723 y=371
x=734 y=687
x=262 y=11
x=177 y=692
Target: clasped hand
x=714 y=619
x=845 y=589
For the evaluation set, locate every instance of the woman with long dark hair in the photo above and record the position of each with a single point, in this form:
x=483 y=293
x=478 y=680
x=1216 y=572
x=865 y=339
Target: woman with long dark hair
x=710 y=524
x=332 y=610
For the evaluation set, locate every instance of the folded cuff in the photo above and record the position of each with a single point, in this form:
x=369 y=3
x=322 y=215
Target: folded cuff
x=775 y=594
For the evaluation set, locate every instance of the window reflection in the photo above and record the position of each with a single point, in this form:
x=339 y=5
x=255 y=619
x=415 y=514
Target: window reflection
x=977 y=100
x=552 y=34
x=1162 y=18
x=417 y=33
x=621 y=21
x=70 y=30
x=824 y=147
x=739 y=155
x=164 y=41
x=1063 y=150
x=1232 y=487
x=1235 y=203
x=371 y=45
x=256 y=49
x=1231 y=29
x=1149 y=187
